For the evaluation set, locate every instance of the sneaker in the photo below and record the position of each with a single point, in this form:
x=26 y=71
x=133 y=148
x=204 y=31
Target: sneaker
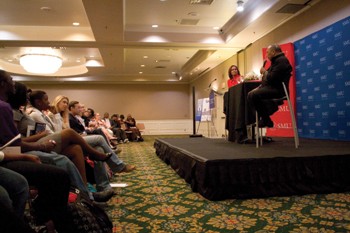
x=126 y=140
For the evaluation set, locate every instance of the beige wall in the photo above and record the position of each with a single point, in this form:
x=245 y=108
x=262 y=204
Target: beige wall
x=174 y=101
x=144 y=102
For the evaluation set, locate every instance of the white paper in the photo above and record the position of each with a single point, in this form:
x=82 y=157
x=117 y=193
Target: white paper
x=118 y=185
x=29 y=129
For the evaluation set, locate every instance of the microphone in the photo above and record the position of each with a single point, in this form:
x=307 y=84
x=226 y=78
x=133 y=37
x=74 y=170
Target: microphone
x=212 y=82
x=264 y=63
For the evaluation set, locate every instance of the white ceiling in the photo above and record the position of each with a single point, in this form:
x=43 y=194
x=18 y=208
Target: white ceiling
x=118 y=34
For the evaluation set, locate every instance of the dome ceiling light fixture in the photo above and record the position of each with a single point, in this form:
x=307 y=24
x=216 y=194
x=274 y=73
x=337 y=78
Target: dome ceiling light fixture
x=240 y=6
x=40 y=63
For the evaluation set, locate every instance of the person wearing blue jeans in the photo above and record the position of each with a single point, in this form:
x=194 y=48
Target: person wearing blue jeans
x=18 y=171
x=115 y=164
x=14 y=190
x=101 y=175
x=65 y=163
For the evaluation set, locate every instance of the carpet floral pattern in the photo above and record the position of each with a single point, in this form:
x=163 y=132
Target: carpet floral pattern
x=158 y=200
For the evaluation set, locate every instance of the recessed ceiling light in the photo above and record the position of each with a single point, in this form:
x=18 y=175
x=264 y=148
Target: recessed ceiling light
x=140 y=72
x=76 y=23
x=154 y=26
x=45 y=8
x=216 y=28
x=145 y=56
x=194 y=14
x=142 y=65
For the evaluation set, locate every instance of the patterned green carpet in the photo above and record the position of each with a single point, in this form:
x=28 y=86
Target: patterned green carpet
x=158 y=200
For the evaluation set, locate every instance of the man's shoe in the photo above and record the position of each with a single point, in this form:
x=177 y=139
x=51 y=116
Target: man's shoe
x=114 y=143
x=102 y=205
x=128 y=168
x=103 y=196
x=243 y=140
x=263 y=124
x=117 y=150
x=267 y=139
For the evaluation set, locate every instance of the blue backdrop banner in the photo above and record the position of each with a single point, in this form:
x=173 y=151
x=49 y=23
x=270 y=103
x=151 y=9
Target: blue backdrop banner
x=323 y=83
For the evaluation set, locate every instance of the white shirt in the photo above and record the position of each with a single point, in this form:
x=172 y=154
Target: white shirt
x=57 y=121
x=107 y=122
x=40 y=117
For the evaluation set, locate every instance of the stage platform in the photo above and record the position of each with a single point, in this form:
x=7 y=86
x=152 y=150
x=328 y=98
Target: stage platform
x=219 y=169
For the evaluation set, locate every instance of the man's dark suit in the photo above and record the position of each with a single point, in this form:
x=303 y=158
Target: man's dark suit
x=76 y=125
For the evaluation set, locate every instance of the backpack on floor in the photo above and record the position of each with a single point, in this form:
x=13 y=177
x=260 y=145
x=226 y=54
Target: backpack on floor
x=87 y=217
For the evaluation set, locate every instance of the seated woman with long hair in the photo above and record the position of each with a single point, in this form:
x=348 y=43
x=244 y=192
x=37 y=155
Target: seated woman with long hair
x=66 y=142
x=96 y=123
x=40 y=103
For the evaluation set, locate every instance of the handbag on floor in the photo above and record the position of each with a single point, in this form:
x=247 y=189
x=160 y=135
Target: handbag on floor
x=87 y=217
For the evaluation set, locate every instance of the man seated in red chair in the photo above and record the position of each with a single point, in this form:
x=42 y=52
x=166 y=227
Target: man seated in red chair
x=271 y=88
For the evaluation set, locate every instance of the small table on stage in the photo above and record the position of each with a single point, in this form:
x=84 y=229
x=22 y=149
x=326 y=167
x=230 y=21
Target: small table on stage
x=238 y=115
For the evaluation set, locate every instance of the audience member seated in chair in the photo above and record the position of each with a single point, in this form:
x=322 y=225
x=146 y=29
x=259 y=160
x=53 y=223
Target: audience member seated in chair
x=52 y=184
x=67 y=142
x=97 y=123
x=271 y=88
x=130 y=126
x=118 y=132
x=86 y=116
x=116 y=164
x=14 y=188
